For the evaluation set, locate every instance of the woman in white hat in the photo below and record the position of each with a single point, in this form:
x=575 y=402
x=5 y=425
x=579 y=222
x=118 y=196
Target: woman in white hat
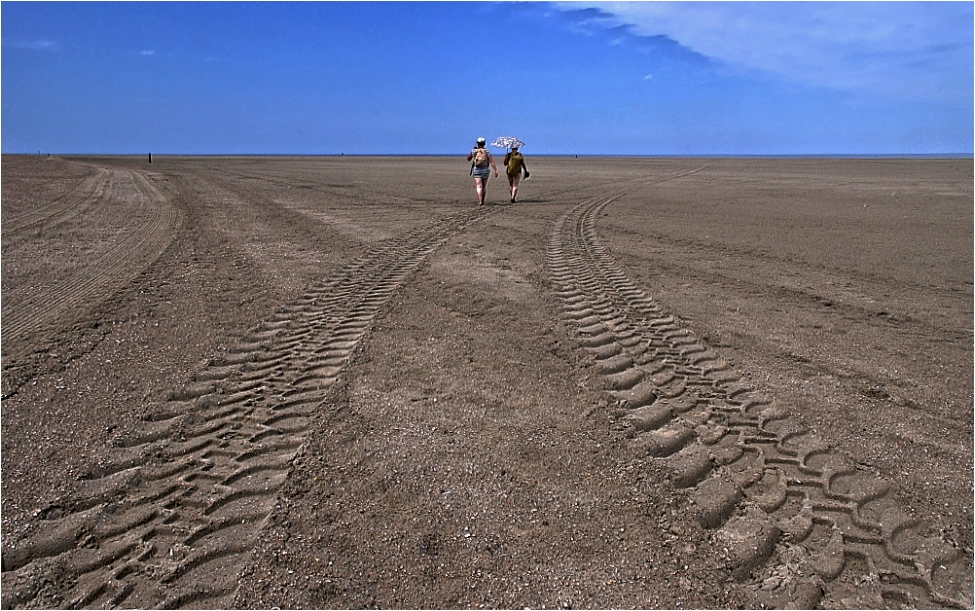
x=482 y=163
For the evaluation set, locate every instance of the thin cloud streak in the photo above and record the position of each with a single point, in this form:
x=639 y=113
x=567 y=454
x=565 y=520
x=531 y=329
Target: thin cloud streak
x=33 y=45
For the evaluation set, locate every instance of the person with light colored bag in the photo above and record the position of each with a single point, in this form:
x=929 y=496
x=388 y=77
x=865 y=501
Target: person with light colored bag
x=481 y=164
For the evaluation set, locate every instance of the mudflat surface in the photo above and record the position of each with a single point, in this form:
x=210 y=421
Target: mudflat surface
x=338 y=383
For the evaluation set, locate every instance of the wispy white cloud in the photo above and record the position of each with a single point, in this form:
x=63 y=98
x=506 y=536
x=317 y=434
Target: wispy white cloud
x=33 y=45
x=147 y=52
x=919 y=50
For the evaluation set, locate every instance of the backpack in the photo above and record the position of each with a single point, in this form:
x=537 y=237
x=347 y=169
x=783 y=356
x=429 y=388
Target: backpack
x=513 y=163
x=480 y=157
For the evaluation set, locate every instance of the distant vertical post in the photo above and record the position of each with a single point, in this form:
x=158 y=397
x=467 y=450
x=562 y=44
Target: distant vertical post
x=150 y=157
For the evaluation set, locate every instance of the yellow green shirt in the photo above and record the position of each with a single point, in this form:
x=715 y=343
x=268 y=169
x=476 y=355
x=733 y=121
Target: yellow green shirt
x=515 y=161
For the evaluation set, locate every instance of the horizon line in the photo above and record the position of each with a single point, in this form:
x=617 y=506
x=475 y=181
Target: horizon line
x=954 y=155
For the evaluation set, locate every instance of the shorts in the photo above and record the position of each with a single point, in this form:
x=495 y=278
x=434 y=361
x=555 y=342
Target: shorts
x=484 y=172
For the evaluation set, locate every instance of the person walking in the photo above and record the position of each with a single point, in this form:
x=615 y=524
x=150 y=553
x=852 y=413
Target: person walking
x=481 y=166
x=514 y=163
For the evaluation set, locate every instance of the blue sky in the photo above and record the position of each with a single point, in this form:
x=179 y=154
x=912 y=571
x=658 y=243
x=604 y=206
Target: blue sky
x=643 y=78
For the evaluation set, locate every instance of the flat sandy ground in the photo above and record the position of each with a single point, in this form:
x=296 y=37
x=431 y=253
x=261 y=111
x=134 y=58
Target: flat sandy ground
x=338 y=383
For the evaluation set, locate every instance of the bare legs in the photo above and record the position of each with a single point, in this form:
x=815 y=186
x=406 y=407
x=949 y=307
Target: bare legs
x=513 y=181
x=481 y=185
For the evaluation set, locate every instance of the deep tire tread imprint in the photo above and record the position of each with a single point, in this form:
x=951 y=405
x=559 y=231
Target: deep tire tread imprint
x=190 y=495
x=785 y=506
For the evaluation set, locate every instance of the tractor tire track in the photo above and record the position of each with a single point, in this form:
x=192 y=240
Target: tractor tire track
x=154 y=228
x=783 y=504
x=171 y=521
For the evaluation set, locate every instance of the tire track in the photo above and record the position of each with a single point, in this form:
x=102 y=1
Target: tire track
x=24 y=226
x=171 y=521
x=155 y=226
x=786 y=508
